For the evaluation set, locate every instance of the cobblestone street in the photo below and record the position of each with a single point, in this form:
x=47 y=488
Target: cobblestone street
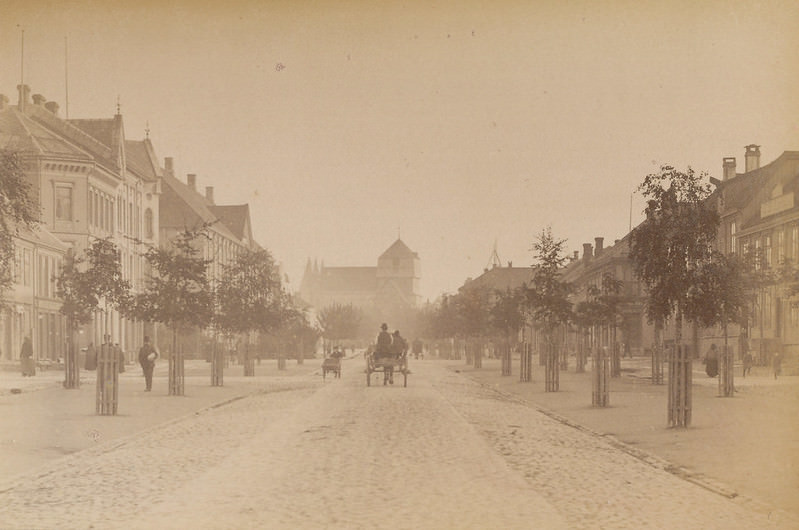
x=445 y=452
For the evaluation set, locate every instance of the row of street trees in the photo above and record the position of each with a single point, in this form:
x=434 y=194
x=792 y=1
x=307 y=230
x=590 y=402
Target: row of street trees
x=686 y=280
x=248 y=298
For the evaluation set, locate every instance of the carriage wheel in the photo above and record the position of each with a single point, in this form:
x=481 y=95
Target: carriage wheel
x=324 y=374
x=404 y=378
x=368 y=378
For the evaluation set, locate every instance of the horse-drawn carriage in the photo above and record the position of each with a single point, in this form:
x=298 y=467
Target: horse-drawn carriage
x=388 y=365
x=331 y=364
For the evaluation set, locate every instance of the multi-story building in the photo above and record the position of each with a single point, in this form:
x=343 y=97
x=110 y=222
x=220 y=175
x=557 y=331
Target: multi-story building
x=229 y=228
x=90 y=183
x=760 y=218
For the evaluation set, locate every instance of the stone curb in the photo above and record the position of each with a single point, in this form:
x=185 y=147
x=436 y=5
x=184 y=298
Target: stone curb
x=657 y=462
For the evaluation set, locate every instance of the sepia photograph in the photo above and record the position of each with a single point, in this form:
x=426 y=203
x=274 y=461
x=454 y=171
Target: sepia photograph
x=340 y=264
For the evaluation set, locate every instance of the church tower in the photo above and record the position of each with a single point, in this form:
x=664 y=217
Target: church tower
x=398 y=274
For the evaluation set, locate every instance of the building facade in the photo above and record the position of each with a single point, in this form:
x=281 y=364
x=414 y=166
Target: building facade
x=90 y=183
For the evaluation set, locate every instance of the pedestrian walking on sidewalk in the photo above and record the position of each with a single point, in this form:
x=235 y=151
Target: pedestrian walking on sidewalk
x=121 y=356
x=91 y=357
x=26 y=358
x=147 y=357
x=712 y=361
x=777 y=364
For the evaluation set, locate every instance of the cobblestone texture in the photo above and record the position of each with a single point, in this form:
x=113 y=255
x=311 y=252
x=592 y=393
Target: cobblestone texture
x=442 y=453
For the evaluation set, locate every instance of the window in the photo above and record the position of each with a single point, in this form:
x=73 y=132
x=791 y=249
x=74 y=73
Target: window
x=795 y=244
x=63 y=203
x=767 y=251
x=148 y=223
x=780 y=246
x=733 y=228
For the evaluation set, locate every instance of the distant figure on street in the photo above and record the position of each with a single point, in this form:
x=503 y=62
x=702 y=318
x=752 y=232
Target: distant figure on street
x=26 y=358
x=91 y=357
x=712 y=361
x=417 y=349
x=399 y=348
x=147 y=357
x=121 y=356
x=748 y=362
x=777 y=364
x=383 y=343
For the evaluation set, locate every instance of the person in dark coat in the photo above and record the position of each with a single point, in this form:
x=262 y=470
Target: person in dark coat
x=91 y=357
x=26 y=358
x=147 y=357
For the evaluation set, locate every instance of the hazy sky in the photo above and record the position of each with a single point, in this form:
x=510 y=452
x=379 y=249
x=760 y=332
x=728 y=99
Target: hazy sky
x=341 y=123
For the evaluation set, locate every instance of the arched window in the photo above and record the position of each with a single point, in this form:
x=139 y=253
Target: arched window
x=148 y=223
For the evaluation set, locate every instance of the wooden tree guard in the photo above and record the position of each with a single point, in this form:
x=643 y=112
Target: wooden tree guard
x=107 y=397
x=176 y=372
x=249 y=363
x=615 y=359
x=217 y=366
x=506 y=359
x=71 y=365
x=281 y=361
x=657 y=359
x=477 y=354
x=552 y=374
x=600 y=396
x=526 y=363
x=679 y=387
x=726 y=379
x=581 y=348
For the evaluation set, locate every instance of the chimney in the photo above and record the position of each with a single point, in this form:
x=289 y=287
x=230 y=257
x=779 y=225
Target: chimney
x=510 y=264
x=169 y=166
x=209 y=194
x=729 y=167
x=3 y=102
x=24 y=92
x=52 y=106
x=576 y=255
x=39 y=99
x=752 y=157
x=587 y=251
x=599 y=245
x=191 y=180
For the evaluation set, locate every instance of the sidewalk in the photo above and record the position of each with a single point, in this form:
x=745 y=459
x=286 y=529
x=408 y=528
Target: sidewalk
x=45 y=421
x=744 y=446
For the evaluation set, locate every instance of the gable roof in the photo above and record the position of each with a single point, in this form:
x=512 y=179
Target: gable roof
x=19 y=132
x=398 y=250
x=140 y=158
x=504 y=278
x=236 y=217
x=181 y=207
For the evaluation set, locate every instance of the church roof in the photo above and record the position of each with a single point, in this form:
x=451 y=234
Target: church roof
x=398 y=250
x=348 y=278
